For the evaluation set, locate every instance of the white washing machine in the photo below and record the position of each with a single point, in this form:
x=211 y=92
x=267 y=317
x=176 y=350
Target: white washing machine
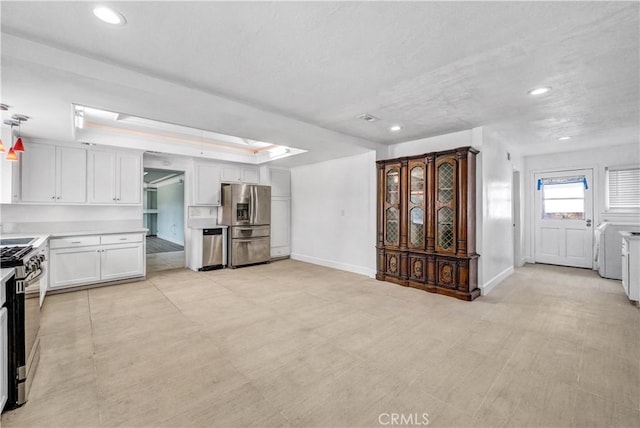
x=609 y=247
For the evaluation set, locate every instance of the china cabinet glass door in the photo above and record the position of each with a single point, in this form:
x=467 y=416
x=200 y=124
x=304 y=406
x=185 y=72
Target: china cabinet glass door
x=416 y=206
x=392 y=213
x=445 y=202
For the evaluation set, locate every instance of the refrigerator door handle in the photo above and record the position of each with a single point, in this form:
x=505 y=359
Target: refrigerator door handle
x=255 y=202
x=252 y=205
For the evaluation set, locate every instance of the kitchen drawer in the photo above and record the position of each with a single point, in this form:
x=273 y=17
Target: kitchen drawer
x=250 y=231
x=121 y=238
x=74 y=241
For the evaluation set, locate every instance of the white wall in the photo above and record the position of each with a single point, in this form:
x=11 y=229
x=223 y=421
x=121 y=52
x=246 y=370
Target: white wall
x=333 y=212
x=597 y=159
x=171 y=211
x=496 y=253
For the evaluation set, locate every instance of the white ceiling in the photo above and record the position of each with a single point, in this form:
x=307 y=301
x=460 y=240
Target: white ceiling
x=297 y=74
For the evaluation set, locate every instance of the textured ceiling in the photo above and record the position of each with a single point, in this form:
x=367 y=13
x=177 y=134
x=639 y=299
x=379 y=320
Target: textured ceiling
x=433 y=67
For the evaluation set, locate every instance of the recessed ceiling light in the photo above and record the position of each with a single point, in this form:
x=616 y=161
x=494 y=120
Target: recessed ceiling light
x=539 y=91
x=109 y=16
x=395 y=128
x=564 y=138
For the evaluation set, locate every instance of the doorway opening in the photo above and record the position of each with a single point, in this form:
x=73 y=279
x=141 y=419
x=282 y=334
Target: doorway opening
x=164 y=212
x=563 y=218
x=515 y=216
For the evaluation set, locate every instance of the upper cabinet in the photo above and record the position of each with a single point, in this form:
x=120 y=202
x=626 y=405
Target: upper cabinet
x=280 y=183
x=129 y=178
x=207 y=184
x=114 y=177
x=240 y=174
x=53 y=174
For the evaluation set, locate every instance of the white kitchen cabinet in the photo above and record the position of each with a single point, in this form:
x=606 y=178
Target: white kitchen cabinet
x=207 y=184
x=102 y=177
x=75 y=261
x=114 y=177
x=280 y=227
x=53 y=174
x=630 y=267
x=121 y=261
x=240 y=174
x=280 y=183
x=74 y=266
x=129 y=178
x=280 y=180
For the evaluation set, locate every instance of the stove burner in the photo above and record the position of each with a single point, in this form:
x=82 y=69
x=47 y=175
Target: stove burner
x=12 y=256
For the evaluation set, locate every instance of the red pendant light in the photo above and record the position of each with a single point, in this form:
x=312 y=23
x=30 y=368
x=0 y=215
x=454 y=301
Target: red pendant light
x=11 y=156
x=18 y=146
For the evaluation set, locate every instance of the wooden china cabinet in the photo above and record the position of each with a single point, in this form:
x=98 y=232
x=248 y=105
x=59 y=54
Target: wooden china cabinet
x=426 y=222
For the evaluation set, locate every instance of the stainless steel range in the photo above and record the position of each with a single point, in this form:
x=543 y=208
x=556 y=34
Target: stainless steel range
x=23 y=305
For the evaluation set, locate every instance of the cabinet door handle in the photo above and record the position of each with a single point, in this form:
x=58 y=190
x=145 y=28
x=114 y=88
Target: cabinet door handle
x=114 y=199
x=76 y=242
x=53 y=197
x=123 y=239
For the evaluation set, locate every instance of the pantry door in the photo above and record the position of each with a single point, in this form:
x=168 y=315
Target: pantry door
x=563 y=218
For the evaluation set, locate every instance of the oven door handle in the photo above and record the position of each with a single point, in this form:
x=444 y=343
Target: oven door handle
x=28 y=281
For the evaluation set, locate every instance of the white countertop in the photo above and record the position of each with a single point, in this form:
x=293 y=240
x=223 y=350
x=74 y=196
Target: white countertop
x=98 y=232
x=73 y=228
x=204 y=223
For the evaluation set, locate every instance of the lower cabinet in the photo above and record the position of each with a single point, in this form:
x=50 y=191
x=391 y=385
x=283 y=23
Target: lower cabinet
x=74 y=263
x=74 y=266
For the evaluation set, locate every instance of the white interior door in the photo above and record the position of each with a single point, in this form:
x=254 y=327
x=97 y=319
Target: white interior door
x=563 y=218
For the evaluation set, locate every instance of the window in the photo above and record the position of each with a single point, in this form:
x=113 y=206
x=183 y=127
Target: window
x=623 y=188
x=563 y=198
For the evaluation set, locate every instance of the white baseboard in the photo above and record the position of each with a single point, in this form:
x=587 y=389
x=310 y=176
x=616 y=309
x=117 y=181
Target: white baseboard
x=529 y=260
x=489 y=285
x=522 y=262
x=335 y=265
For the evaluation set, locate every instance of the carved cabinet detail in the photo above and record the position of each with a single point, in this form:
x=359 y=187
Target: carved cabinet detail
x=426 y=222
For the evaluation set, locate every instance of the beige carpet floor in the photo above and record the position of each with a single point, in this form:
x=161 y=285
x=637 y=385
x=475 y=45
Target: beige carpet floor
x=294 y=344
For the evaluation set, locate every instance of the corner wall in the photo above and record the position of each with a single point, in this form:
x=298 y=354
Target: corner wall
x=334 y=206
x=496 y=252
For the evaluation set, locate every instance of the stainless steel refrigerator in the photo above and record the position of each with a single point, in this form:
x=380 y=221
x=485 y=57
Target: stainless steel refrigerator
x=246 y=209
